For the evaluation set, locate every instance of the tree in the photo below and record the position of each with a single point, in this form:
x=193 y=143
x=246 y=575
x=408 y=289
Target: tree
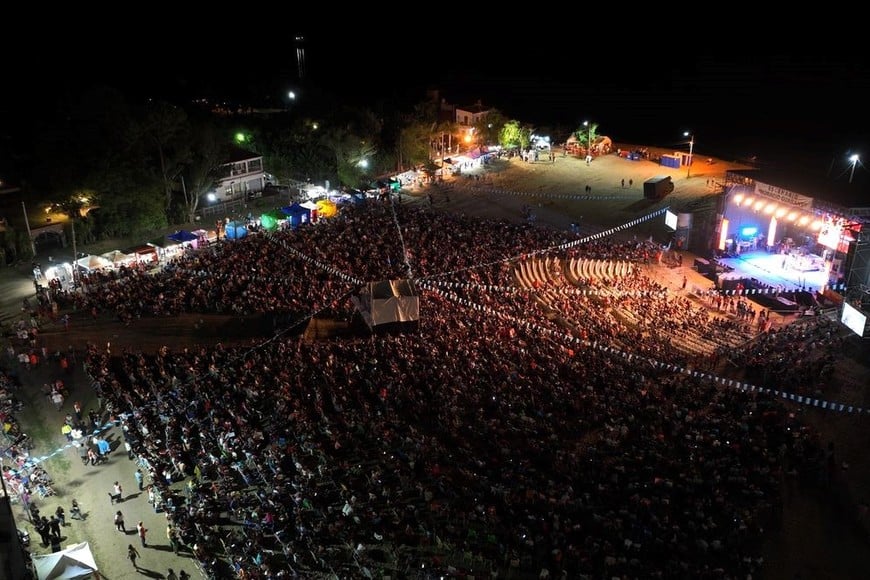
x=88 y=147
x=412 y=146
x=489 y=127
x=353 y=155
x=204 y=168
x=294 y=152
x=166 y=130
x=587 y=135
x=514 y=135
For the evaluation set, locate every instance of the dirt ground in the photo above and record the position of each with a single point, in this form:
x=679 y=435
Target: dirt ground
x=822 y=535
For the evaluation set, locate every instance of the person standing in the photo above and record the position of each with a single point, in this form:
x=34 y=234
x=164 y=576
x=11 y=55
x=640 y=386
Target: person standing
x=140 y=479
x=132 y=554
x=57 y=399
x=170 y=575
x=54 y=526
x=172 y=536
x=119 y=522
x=61 y=516
x=119 y=492
x=75 y=512
x=142 y=530
x=42 y=527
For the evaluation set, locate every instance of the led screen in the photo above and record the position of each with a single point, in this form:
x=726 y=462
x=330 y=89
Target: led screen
x=853 y=319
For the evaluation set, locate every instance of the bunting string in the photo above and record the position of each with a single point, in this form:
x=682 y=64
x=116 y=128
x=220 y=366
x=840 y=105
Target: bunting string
x=675 y=369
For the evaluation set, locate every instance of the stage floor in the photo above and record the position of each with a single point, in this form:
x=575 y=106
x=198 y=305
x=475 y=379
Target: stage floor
x=768 y=268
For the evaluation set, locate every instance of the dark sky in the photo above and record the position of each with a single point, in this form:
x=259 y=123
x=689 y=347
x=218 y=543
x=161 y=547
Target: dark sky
x=745 y=98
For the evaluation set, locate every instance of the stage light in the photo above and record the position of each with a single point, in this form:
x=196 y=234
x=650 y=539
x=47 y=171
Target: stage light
x=738 y=198
x=816 y=225
x=758 y=205
x=780 y=212
x=803 y=220
x=792 y=216
x=748 y=232
x=770 y=208
x=748 y=201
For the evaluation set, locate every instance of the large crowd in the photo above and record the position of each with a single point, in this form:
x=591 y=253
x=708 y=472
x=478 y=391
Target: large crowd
x=486 y=438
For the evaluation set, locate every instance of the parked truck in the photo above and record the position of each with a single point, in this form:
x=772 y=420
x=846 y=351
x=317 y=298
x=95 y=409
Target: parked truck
x=658 y=187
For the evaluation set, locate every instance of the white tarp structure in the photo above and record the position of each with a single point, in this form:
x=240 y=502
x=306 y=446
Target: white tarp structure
x=74 y=563
x=389 y=301
x=93 y=262
x=119 y=258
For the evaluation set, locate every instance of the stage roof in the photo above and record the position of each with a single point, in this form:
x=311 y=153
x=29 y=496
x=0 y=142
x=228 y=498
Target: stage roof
x=850 y=196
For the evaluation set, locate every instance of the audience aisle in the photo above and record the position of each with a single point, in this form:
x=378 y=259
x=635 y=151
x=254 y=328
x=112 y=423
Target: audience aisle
x=90 y=485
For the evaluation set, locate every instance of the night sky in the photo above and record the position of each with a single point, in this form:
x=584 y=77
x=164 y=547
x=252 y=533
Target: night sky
x=772 y=100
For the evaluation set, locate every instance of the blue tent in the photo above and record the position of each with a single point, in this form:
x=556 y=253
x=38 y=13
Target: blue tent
x=182 y=236
x=236 y=231
x=296 y=214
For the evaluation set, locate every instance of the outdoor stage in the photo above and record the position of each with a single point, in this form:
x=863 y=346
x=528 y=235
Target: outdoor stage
x=789 y=272
x=782 y=283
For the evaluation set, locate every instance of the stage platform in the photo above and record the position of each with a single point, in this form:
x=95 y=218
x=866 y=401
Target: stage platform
x=777 y=270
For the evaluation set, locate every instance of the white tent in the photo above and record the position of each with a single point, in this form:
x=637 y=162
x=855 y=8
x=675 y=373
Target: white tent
x=93 y=262
x=388 y=301
x=118 y=258
x=74 y=563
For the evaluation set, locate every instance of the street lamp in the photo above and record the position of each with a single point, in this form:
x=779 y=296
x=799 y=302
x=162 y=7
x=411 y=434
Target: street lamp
x=854 y=158
x=691 y=137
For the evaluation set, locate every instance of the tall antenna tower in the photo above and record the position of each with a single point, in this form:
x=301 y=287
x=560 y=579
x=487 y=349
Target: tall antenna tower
x=300 y=56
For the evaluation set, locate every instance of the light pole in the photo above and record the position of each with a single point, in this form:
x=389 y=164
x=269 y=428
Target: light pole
x=691 y=137
x=854 y=159
x=588 y=126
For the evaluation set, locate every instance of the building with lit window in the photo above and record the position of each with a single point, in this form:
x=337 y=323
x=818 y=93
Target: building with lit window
x=241 y=176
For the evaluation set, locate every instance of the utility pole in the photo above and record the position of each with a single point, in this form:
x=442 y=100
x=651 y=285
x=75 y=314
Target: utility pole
x=29 y=233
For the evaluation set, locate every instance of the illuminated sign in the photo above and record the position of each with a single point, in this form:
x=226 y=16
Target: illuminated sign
x=780 y=194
